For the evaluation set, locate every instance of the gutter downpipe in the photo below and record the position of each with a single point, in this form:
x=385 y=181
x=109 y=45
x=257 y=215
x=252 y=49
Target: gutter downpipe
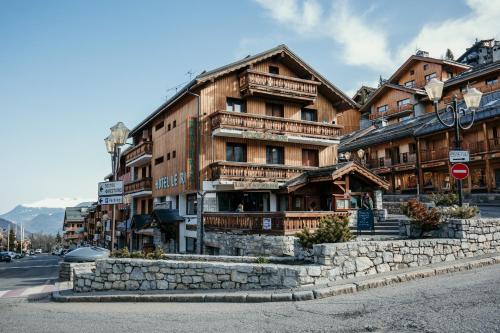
x=200 y=193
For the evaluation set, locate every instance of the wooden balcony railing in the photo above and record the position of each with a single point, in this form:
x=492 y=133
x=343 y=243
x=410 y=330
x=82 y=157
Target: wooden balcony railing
x=432 y=155
x=490 y=87
x=393 y=111
x=407 y=158
x=248 y=121
x=282 y=223
x=144 y=184
x=260 y=83
x=144 y=148
x=494 y=144
x=249 y=171
x=474 y=147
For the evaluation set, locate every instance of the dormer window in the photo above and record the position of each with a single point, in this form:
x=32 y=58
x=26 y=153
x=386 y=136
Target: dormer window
x=274 y=70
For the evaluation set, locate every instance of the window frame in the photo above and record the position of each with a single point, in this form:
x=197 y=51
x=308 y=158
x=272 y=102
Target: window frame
x=230 y=103
x=280 y=157
x=273 y=69
x=231 y=151
x=271 y=108
x=305 y=111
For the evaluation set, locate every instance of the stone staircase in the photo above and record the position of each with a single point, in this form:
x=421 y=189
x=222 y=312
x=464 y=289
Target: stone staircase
x=387 y=229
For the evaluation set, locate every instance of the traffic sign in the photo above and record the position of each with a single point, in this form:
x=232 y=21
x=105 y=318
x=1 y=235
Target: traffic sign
x=111 y=200
x=110 y=188
x=460 y=171
x=457 y=156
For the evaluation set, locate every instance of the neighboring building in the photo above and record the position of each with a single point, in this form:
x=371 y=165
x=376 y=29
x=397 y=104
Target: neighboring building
x=482 y=52
x=403 y=141
x=74 y=226
x=268 y=127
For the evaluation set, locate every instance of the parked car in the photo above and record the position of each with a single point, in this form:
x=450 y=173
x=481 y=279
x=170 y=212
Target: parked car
x=38 y=251
x=5 y=256
x=64 y=251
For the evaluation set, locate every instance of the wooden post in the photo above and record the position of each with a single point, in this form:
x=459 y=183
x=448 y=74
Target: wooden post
x=420 y=173
x=487 y=170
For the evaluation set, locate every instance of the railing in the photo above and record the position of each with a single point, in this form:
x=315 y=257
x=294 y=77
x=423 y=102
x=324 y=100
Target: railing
x=228 y=119
x=407 y=158
x=391 y=111
x=474 y=147
x=252 y=81
x=144 y=148
x=490 y=87
x=249 y=171
x=144 y=184
x=494 y=144
x=380 y=162
x=437 y=154
x=282 y=223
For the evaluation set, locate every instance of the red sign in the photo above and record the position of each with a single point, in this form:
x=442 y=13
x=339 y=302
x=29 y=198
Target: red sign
x=459 y=171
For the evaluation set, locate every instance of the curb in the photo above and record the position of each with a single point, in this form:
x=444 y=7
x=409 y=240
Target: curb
x=296 y=296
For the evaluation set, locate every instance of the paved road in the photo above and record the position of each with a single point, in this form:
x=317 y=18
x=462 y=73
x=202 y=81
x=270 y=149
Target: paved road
x=490 y=211
x=28 y=272
x=461 y=302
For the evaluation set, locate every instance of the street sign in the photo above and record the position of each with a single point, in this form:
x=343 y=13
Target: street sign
x=460 y=171
x=111 y=200
x=110 y=188
x=458 y=156
x=266 y=223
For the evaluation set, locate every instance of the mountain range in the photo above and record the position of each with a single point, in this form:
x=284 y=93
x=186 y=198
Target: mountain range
x=39 y=219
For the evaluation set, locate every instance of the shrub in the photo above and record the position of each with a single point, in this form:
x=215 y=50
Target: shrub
x=444 y=199
x=458 y=212
x=332 y=229
x=262 y=260
x=122 y=253
x=137 y=255
x=423 y=217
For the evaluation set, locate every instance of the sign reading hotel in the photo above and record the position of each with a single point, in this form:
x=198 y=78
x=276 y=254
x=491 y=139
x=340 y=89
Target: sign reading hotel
x=110 y=188
x=459 y=156
x=171 y=181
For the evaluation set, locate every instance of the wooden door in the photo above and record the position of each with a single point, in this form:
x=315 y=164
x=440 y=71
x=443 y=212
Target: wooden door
x=310 y=157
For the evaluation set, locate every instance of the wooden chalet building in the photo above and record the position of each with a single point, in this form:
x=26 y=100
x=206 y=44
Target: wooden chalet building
x=242 y=135
x=402 y=140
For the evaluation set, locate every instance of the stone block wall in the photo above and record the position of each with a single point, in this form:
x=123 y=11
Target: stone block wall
x=67 y=269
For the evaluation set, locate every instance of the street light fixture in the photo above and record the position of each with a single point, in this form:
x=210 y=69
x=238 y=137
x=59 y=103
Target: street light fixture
x=452 y=117
x=117 y=138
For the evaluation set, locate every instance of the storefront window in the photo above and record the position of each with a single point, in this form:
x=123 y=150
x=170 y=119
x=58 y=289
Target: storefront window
x=251 y=201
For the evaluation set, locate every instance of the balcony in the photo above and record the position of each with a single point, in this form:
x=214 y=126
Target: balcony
x=434 y=154
x=139 y=155
x=494 y=144
x=247 y=125
x=490 y=87
x=380 y=162
x=278 y=86
x=139 y=188
x=282 y=223
x=393 y=112
x=240 y=171
x=474 y=147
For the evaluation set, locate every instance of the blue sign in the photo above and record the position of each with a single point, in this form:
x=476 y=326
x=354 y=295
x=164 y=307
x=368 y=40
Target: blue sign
x=365 y=219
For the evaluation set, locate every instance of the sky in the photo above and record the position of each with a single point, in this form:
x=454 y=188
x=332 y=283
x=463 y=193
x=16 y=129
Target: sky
x=69 y=70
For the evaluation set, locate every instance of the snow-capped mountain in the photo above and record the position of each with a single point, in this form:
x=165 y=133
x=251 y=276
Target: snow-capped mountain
x=44 y=216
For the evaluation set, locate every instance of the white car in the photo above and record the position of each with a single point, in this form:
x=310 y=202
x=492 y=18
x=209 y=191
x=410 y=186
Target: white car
x=38 y=251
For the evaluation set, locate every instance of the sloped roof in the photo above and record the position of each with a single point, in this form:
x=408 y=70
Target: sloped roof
x=206 y=76
x=74 y=214
x=473 y=73
x=386 y=86
x=335 y=172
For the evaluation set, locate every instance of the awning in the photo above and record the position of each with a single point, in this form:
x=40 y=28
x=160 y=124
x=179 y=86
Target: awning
x=166 y=216
x=141 y=221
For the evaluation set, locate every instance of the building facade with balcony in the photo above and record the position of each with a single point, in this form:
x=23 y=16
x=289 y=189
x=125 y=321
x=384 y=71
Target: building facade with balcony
x=411 y=152
x=75 y=225
x=234 y=137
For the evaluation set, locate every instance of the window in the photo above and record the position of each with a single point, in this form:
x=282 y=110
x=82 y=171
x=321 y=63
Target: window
x=430 y=76
x=310 y=157
x=236 y=152
x=168 y=156
x=274 y=70
x=412 y=72
x=309 y=114
x=191 y=204
x=450 y=74
x=382 y=108
x=168 y=128
x=403 y=102
x=159 y=126
x=412 y=148
x=275 y=155
x=235 y=105
x=274 y=110
x=159 y=160
x=174 y=154
x=426 y=66
x=174 y=124
x=491 y=82
x=410 y=84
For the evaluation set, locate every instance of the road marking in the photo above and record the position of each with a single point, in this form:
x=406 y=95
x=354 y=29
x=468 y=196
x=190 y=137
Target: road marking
x=25 y=292
x=17 y=267
x=3 y=292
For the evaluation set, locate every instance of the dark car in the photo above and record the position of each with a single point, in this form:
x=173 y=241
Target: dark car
x=5 y=256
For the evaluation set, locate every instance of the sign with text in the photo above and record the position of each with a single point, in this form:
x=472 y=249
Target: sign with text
x=457 y=156
x=111 y=200
x=365 y=219
x=110 y=188
x=267 y=223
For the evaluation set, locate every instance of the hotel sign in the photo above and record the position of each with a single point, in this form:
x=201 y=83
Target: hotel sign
x=264 y=136
x=256 y=186
x=171 y=181
x=459 y=156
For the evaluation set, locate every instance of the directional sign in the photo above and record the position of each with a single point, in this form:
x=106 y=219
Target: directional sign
x=460 y=171
x=110 y=188
x=112 y=200
x=266 y=223
x=458 y=156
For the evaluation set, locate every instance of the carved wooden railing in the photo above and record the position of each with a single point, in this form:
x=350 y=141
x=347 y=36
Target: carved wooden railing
x=249 y=171
x=490 y=87
x=282 y=223
x=144 y=184
x=144 y=148
x=238 y=120
x=434 y=154
x=391 y=111
x=494 y=144
x=474 y=147
x=252 y=81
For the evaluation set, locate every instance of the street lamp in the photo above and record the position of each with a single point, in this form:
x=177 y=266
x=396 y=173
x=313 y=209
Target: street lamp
x=117 y=138
x=452 y=117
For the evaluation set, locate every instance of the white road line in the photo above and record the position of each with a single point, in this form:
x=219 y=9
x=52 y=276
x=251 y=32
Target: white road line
x=3 y=292
x=18 y=267
x=33 y=290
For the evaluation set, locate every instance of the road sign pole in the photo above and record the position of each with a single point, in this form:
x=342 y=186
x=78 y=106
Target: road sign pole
x=457 y=146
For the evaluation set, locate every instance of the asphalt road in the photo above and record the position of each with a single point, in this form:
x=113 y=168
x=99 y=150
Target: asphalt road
x=28 y=271
x=461 y=302
x=490 y=211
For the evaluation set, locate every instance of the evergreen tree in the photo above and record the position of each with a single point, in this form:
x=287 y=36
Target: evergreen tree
x=58 y=238
x=12 y=240
x=449 y=55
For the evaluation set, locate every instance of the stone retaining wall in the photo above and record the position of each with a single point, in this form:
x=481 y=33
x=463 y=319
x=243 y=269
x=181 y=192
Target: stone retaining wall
x=67 y=270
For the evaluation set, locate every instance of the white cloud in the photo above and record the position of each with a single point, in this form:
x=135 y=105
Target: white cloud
x=483 y=22
x=56 y=202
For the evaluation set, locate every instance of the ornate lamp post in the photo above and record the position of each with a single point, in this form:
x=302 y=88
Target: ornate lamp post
x=452 y=116
x=117 y=138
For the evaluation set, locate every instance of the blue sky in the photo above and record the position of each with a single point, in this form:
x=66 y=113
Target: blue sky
x=71 y=69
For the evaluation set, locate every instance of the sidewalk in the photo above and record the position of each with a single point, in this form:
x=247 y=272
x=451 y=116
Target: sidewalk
x=63 y=291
